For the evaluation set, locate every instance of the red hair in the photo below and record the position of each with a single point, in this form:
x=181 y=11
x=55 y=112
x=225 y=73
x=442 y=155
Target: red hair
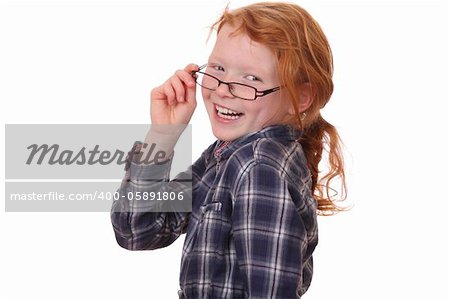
x=303 y=56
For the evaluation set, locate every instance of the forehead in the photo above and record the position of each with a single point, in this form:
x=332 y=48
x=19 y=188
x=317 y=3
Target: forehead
x=239 y=48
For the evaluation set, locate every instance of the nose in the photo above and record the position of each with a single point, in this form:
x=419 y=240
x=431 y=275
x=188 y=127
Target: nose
x=223 y=91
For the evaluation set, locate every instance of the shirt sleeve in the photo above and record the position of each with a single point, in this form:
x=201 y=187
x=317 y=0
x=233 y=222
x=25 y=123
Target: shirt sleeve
x=136 y=226
x=269 y=235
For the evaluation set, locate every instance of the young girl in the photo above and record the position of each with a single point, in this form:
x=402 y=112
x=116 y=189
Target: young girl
x=256 y=191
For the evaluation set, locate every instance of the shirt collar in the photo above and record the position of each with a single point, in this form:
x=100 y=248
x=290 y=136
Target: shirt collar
x=223 y=149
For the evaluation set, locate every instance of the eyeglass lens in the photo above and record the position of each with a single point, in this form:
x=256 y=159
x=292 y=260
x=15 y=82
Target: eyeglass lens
x=211 y=83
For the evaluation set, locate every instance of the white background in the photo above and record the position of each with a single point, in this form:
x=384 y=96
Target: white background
x=96 y=62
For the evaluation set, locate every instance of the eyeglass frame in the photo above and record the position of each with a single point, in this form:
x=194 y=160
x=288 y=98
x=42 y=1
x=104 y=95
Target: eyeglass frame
x=261 y=93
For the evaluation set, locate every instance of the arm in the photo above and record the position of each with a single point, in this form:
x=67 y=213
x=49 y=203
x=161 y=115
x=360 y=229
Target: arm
x=136 y=224
x=269 y=234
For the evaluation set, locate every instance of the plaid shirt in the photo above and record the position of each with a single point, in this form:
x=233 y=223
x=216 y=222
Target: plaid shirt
x=253 y=225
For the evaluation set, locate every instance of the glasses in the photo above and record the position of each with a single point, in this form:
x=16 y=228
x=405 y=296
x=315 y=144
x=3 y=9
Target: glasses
x=239 y=90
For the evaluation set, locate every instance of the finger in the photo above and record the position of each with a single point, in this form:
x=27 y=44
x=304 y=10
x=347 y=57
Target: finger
x=190 y=68
x=157 y=93
x=186 y=77
x=191 y=94
x=170 y=93
x=178 y=87
x=191 y=90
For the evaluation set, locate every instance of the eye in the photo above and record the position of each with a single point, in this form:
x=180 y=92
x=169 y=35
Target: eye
x=252 y=78
x=217 y=68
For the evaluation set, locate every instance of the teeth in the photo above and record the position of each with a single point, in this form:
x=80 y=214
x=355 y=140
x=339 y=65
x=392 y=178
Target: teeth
x=225 y=113
x=224 y=110
x=228 y=116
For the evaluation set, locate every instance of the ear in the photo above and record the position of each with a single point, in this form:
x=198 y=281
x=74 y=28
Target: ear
x=306 y=95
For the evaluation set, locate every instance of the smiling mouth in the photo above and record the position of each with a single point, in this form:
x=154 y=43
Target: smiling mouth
x=226 y=113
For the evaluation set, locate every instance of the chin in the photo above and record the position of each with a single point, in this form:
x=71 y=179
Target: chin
x=225 y=136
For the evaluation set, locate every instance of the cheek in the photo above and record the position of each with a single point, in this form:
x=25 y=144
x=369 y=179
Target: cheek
x=270 y=111
x=205 y=94
x=257 y=108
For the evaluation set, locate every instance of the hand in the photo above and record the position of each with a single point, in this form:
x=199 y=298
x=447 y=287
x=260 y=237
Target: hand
x=174 y=102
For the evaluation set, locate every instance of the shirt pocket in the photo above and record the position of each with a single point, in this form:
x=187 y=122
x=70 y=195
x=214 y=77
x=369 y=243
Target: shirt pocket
x=209 y=236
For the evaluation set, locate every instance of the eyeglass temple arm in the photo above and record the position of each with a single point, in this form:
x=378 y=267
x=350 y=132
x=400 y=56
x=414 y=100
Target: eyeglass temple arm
x=201 y=67
x=267 y=91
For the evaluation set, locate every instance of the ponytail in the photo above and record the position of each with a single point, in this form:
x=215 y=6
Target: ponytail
x=320 y=137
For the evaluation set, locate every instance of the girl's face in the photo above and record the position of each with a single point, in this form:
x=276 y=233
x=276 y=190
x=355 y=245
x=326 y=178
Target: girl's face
x=238 y=59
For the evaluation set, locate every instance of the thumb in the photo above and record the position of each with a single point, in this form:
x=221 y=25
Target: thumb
x=191 y=90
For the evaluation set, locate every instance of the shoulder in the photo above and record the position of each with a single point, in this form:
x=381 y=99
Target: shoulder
x=280 y=158
x=269 y=151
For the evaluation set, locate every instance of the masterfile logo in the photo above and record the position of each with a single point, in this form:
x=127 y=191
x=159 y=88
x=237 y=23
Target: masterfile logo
x=79 y=167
